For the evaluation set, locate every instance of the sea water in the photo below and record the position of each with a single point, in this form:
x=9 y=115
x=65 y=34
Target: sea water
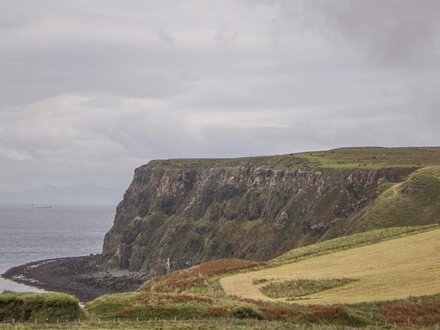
x=29 y=234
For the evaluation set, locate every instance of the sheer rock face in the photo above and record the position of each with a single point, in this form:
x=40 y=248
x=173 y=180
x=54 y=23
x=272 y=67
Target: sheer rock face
x=189 y=214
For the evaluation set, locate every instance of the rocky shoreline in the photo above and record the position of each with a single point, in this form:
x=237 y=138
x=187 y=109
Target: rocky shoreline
x=85 y=277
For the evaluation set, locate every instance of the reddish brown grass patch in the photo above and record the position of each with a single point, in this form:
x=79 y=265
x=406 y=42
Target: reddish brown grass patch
x=217 y=311
x=317 y=312
x=278 y=313
x=183 y=298
x=412 y=313
x=184 y=279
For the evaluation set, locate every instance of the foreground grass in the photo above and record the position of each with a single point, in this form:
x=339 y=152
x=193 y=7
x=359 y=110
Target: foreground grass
x=221 y=323
x=408 y=313
x=195 y=298
x=393 y=269
x=197 y=292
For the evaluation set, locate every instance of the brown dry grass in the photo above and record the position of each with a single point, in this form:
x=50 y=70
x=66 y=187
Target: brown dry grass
x=395 y=269
x=410 y=313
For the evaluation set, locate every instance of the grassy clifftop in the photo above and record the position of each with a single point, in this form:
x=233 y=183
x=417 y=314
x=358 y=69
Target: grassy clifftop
x=342 y=158
x=374 y=157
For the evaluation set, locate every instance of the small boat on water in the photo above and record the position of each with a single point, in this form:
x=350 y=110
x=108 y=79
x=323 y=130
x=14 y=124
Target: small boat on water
x=41 y=206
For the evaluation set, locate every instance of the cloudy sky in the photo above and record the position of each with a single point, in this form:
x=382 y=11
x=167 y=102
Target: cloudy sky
x=89 y=90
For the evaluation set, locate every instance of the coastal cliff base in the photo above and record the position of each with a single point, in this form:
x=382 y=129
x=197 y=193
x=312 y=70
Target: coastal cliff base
x=85 y=277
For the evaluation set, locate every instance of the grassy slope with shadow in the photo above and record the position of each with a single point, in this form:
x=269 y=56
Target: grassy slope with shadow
x=416 y=201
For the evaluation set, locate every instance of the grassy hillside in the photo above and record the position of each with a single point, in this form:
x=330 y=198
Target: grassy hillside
x=348 y=242
x=393 y=269
x=416 y=201
x=185 y=294
x=230 y=288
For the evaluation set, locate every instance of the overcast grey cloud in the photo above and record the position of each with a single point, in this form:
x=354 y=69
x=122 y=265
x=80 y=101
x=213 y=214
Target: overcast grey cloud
x=91 y=89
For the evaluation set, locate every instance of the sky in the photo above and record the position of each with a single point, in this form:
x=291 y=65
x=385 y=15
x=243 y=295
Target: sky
x=90 y=90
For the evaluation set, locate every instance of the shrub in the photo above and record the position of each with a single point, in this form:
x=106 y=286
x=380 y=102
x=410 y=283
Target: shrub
x=246 y=312
x=280 y=312
x=48 y=307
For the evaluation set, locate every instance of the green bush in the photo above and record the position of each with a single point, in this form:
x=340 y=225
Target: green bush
x=246 y=312
x=49 y=307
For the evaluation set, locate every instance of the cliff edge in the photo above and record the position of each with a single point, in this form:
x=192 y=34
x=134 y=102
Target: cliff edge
x=177 y=213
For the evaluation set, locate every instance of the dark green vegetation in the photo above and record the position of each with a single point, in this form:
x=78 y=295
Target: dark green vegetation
x=39 y=307
x=296 y=289
x=182 y=212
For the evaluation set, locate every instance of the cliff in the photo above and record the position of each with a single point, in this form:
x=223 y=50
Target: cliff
x=177 y=213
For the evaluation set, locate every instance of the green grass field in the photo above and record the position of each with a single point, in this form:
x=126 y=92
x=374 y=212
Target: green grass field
x=393 y=269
